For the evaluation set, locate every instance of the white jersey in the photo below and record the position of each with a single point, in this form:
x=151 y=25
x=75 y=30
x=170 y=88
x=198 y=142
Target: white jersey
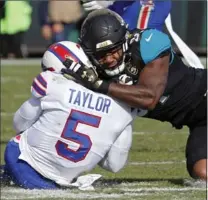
x=75 y=124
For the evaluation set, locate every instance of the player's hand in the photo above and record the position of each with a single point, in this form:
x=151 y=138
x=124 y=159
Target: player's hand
x=83 y=74
x=90 y=5
x=87 y=76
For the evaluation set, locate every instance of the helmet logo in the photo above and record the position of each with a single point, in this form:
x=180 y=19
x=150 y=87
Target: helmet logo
x=78 y=46
x=135 y=38
x=131 y=69
x=70 y=58
x=103 y=44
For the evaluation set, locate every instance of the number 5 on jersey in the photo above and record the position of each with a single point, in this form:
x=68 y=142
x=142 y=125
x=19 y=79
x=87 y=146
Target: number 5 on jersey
x=70 y=133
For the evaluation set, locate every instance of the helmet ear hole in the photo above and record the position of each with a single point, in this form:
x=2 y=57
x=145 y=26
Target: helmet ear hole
x=44 y=68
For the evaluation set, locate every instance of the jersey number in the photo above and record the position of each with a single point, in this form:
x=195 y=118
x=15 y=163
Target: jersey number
x=135 y=38
x=70 y=133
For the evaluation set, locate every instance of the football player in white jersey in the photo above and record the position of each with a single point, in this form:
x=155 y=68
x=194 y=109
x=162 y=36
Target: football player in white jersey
x=66 y=129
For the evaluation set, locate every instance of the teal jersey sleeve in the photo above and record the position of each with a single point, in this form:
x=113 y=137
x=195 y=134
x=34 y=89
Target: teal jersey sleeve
x=152 y=44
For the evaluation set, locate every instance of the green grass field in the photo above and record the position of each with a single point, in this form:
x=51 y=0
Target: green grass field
x=156 y=169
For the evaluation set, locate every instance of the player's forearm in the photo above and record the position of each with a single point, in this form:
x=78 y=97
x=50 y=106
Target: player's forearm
x=134 y=95
x=151 y=85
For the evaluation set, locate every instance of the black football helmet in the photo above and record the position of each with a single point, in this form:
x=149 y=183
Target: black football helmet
x=102 y=31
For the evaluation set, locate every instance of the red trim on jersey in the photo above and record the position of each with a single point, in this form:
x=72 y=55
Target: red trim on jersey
x=144 y=18
x=144 y=15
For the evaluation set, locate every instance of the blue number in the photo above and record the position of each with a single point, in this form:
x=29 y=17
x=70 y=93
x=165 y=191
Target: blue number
x=70 y=133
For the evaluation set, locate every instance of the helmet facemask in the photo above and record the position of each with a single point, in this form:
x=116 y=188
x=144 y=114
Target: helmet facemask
x=99 y=60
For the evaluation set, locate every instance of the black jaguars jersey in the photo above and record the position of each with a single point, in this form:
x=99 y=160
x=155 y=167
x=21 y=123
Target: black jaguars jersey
x=186 y=89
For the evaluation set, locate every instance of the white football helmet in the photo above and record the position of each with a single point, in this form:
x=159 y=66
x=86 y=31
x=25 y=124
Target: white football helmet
x=58 y=52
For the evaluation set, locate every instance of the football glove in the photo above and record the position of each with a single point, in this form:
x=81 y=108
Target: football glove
x=87 y=76
x=90 y=5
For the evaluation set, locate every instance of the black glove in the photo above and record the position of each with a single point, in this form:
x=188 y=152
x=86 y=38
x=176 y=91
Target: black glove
x=87 y=76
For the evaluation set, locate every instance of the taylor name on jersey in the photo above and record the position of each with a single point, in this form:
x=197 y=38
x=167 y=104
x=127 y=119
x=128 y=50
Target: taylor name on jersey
x=76 y=97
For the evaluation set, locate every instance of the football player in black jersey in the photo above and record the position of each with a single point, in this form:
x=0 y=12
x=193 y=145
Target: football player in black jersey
x=163 y=88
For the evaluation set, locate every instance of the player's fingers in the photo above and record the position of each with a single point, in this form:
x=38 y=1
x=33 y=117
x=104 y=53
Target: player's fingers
x=89 y=9
x=92 y=8
x=69 y=77
x=89 y=4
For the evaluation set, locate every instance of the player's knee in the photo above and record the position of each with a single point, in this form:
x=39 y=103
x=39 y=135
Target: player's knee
x=116 y=167
x=120 y=164
x=199 y=170
x=111 y=165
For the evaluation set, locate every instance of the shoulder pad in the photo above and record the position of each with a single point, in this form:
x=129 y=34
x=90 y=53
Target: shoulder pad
x=152 y=44
x=40 y=84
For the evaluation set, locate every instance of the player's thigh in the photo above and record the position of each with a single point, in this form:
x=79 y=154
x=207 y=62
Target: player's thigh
x=196 y=148
x=21 y=173
x=159 y=14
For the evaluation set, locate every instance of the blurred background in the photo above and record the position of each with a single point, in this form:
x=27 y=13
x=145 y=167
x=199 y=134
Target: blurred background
x=26 y=30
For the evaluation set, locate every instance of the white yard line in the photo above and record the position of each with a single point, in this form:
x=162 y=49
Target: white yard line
x=18 y=193
x=8 y=79
x=21 y=96
x=37 y=61
x=149 y=132
x=20 y=62
x=163 y=189
x=157 y=163
x=5 y=114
